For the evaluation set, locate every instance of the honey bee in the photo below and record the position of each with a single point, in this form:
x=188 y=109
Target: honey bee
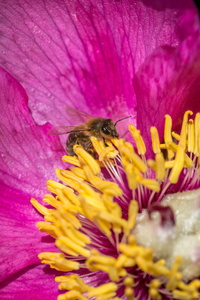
x=80 y=134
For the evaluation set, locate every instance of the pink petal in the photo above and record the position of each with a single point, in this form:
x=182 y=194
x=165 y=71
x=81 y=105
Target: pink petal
x=28 y=156
x=84 y=53
x=168 y=83
x=21 y=241
x=34 y=283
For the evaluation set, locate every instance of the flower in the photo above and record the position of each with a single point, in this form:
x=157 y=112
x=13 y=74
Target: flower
x=100 y=63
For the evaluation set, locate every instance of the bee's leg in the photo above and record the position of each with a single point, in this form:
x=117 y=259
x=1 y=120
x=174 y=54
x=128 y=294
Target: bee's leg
x=88 y=146
x=105 y=142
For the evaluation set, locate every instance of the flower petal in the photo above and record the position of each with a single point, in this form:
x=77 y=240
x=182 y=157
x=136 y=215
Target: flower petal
x=84 y=53
x=28 y=156
x=168 y=83
x=21 y=241
x=25 y=286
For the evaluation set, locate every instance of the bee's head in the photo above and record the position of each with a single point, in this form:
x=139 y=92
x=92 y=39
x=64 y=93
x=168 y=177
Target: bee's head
x=108 y=130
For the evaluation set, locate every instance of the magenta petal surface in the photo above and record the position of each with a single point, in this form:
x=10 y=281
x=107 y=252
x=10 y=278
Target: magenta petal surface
x=168 y=83
x=84 y=53
x=28 y=158
x=21 y=241
x=35 y=283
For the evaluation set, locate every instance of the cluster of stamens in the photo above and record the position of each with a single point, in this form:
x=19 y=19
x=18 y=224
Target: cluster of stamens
x=93 y=219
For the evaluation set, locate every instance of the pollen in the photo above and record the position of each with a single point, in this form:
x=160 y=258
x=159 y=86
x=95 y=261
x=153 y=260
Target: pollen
x=124 y=222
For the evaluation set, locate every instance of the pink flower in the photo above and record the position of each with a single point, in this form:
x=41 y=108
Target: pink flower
x=108 y=58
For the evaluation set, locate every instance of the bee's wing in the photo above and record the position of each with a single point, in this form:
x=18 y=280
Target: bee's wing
x=77 y=116
x=61 y=130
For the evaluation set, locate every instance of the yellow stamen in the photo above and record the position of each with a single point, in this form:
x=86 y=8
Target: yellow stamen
x=87 y=159
x=183 y=134
x=178 y=165
x=168 y=135
x=108 y=152
x=72 y=160
x=191 y=136
x=138 y=140
x=103 y=289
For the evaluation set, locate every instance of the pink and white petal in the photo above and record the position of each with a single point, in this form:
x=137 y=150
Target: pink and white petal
x=21 y=241
x=28 y=156
x=168 y=83
x=84 y=53
x=35 y=282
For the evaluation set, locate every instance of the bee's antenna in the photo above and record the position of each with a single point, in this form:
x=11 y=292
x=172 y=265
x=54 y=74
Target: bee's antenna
x=122 y=119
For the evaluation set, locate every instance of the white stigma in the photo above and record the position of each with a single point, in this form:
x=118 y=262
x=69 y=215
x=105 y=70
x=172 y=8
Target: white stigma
x=181 y=239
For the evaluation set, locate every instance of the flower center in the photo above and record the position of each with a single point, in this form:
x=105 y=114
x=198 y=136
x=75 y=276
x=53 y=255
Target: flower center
x=118 y=237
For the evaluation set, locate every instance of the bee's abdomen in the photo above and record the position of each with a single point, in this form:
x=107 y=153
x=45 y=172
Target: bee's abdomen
x=71 y=141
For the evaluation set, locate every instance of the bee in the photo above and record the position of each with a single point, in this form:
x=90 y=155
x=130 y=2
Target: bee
x=98 y=127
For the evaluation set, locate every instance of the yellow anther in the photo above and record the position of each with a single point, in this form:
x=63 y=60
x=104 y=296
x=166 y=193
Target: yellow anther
x=155 y=283
x=105 y=226
x=160 y=166
x=168 y=135
x=77 y=237
x=187 y=160
x=58 y=262
x=78 y=172
x=65 y=278
x=50 y=199
x=70 y=175
x=72 y=160
x=43 y=210
x=131 y=240
x=50 y=256
x=153 y=292
x=83 y=238
x=152 y=164
x=128 y=281
x=196 y=130
x=101 y=259
x=109 y=217
x=195 y=284
x=190 y=136
x=47 y=227
x=68 y=196
x=198 y=153
x=54 y=184
x=129 y=293
x=155 y=140
x=67 y=217
x=138 y=162
x=178 y=165
x=132 y=213
x=131 y=177
x=110 y=188
x=68 y=246
x=120 y=261
x=103 y=289
x=72 y=295
x=176 y=136
x=150 y=184
x=183 y=295
x=87 y=159
x=167 y=131
x=169 y=164
x=141 y=148
x=158 y=269
x=174 y=276
x=143 y=264
x=108 y=152
x=183 y=134
x=97 y=146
